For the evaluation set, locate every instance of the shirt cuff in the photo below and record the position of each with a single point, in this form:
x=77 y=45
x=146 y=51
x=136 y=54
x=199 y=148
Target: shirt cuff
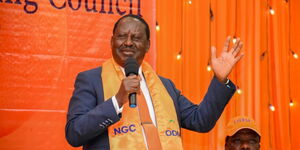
x=116 y=105
x=227 y=82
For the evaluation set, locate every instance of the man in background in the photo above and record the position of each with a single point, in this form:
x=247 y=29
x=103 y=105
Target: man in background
x=242 y=134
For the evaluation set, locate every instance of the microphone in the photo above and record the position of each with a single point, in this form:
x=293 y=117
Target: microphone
x=131 y=68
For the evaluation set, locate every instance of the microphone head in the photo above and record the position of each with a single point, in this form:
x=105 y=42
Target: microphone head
x=131 y=66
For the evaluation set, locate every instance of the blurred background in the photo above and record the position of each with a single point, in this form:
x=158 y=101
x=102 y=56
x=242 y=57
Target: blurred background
x=45 y=44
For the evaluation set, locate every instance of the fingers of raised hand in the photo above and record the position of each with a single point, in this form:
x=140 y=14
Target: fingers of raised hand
x=237 y=49
x=235 y=46
x=238 y=57
x=226 y=44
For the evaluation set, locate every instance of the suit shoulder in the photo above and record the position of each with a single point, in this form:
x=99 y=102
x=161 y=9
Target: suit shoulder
x=163 y=78
x=92 y=72
x=166 y=81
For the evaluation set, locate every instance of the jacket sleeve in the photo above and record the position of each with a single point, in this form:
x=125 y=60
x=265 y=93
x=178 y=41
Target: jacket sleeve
x=87 y=118
x=203 y=117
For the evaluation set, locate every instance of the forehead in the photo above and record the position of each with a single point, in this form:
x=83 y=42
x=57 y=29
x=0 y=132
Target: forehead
x=130 y=24
x=245 y=132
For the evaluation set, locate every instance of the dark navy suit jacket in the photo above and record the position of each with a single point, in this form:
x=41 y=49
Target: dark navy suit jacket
x=89 y=114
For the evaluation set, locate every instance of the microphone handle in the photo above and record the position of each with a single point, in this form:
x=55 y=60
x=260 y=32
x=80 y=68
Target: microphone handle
x=132 y=100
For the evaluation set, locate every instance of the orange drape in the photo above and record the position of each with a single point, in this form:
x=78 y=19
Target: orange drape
x=268 y=73
x=41 y=52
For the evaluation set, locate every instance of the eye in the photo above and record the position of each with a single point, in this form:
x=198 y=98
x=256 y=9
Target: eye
x=136 y=38
x=236 y=141
x=121 y=36
x=253 y=141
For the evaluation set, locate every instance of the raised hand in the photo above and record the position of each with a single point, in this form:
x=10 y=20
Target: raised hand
x=223 y=65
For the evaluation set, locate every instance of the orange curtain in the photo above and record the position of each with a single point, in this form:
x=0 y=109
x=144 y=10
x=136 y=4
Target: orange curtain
x=43 y=47
x=268 y=75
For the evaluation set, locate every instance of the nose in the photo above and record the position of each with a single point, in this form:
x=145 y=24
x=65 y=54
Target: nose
x=128 y=41
x=245 y=146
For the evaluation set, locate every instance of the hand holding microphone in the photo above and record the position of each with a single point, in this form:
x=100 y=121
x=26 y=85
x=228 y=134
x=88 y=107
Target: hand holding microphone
x=130 y=85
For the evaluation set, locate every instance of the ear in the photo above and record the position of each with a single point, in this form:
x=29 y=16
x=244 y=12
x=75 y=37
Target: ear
x=226 y=146
x=148 y=45
x=226 y=143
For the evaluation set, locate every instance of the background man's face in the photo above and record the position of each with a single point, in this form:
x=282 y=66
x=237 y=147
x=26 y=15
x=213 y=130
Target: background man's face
x=245 y=139
x=129 y=40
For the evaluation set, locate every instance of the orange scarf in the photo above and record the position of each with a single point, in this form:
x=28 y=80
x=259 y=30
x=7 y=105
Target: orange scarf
x=127 y=133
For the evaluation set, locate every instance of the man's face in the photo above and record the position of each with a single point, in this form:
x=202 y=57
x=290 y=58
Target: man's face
x=245 y=139
x=129 y=40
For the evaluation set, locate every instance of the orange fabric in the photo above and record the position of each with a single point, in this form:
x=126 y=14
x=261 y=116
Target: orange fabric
x=112 y=76
x=165 y=113
x=166 y=117
x=150 y=130
x=268 y=73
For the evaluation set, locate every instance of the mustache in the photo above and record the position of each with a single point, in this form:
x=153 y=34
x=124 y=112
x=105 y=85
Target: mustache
x=127 y=48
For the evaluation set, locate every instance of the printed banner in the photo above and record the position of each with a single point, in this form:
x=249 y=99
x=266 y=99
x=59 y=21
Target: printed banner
x=44 y=44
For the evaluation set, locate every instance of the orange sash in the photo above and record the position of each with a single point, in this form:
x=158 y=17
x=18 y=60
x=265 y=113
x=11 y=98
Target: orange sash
x=127 y=133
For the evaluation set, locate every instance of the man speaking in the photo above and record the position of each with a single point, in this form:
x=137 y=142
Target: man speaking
x=100 y=117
